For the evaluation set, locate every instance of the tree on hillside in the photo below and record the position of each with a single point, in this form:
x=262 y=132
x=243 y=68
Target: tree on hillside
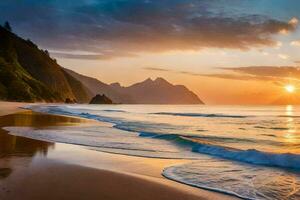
x=47 y=52
x=7 y=26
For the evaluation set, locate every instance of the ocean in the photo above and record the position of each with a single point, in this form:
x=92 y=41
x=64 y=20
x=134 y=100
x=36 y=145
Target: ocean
x=252 y=152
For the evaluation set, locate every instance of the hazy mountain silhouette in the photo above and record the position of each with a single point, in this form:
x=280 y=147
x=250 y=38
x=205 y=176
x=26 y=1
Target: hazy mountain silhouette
x=98 y=87
x=158 y=91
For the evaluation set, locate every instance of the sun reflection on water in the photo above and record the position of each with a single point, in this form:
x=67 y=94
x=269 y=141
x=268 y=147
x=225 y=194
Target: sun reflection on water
x=290 y=134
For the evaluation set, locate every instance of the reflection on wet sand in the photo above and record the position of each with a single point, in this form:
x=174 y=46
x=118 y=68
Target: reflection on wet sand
x=14 y=146
x=5 y=172
x=70 y=172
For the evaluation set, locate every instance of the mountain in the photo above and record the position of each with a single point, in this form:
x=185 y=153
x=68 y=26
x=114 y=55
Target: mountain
x=28 y=73
x=97 y=87
x=158 y=91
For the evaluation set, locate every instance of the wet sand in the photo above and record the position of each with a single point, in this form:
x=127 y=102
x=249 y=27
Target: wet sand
x=9 y=107
x=32 y=169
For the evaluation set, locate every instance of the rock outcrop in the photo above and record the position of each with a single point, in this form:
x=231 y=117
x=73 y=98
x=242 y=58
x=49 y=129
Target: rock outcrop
x=101 y=99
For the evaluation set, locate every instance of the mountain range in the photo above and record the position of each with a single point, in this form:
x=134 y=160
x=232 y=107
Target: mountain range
x=29 y=74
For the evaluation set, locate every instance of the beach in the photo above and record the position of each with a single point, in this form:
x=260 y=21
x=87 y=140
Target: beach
x=32 y=169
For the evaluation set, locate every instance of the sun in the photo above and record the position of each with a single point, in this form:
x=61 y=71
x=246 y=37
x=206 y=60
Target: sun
x=290 y=88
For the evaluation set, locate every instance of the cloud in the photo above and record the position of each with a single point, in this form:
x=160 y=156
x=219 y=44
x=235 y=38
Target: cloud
x=283 y=56
x=220 y=75
x=295 y=43
x=271 y=71
x=241 y=77
x=129 y=27
x=278 y=45
x=91 y=55
x=278 y=74
x=294 y=21
x=157 y=69
x=260 y=73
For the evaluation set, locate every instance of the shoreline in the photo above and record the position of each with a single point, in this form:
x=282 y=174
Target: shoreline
x=75 y=172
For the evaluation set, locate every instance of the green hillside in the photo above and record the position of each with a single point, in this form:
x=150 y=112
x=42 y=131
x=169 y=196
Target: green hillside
x=29 y=74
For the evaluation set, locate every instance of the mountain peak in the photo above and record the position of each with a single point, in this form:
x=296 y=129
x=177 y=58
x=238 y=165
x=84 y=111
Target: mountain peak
x=116 y=84
x=160 y=91
x=158 y=80
x=148 y=80
x=161 y=80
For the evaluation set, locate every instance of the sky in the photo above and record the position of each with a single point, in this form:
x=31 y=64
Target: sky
x=227 y=52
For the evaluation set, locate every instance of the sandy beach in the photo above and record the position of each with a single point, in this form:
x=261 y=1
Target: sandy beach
x=32 y=169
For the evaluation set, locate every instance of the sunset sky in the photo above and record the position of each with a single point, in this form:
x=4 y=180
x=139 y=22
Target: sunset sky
x=242 y=52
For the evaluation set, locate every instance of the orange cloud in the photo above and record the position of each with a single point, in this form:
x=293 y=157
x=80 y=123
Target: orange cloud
x=110 y=29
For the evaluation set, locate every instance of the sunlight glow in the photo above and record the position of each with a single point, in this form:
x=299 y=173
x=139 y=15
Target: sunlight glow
x=290 y=88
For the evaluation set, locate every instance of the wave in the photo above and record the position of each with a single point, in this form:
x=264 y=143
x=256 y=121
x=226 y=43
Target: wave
x=119 y=111
x=198 y=144
x=289 y=116
x=172 y=174
x=272 y=128
x=60 y=110
x=196 y=138
x=215 y=166
x=253 y=156
x=270 y=135
x=200 y=115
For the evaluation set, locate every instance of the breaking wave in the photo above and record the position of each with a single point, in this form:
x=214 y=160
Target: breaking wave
x=200 y=115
